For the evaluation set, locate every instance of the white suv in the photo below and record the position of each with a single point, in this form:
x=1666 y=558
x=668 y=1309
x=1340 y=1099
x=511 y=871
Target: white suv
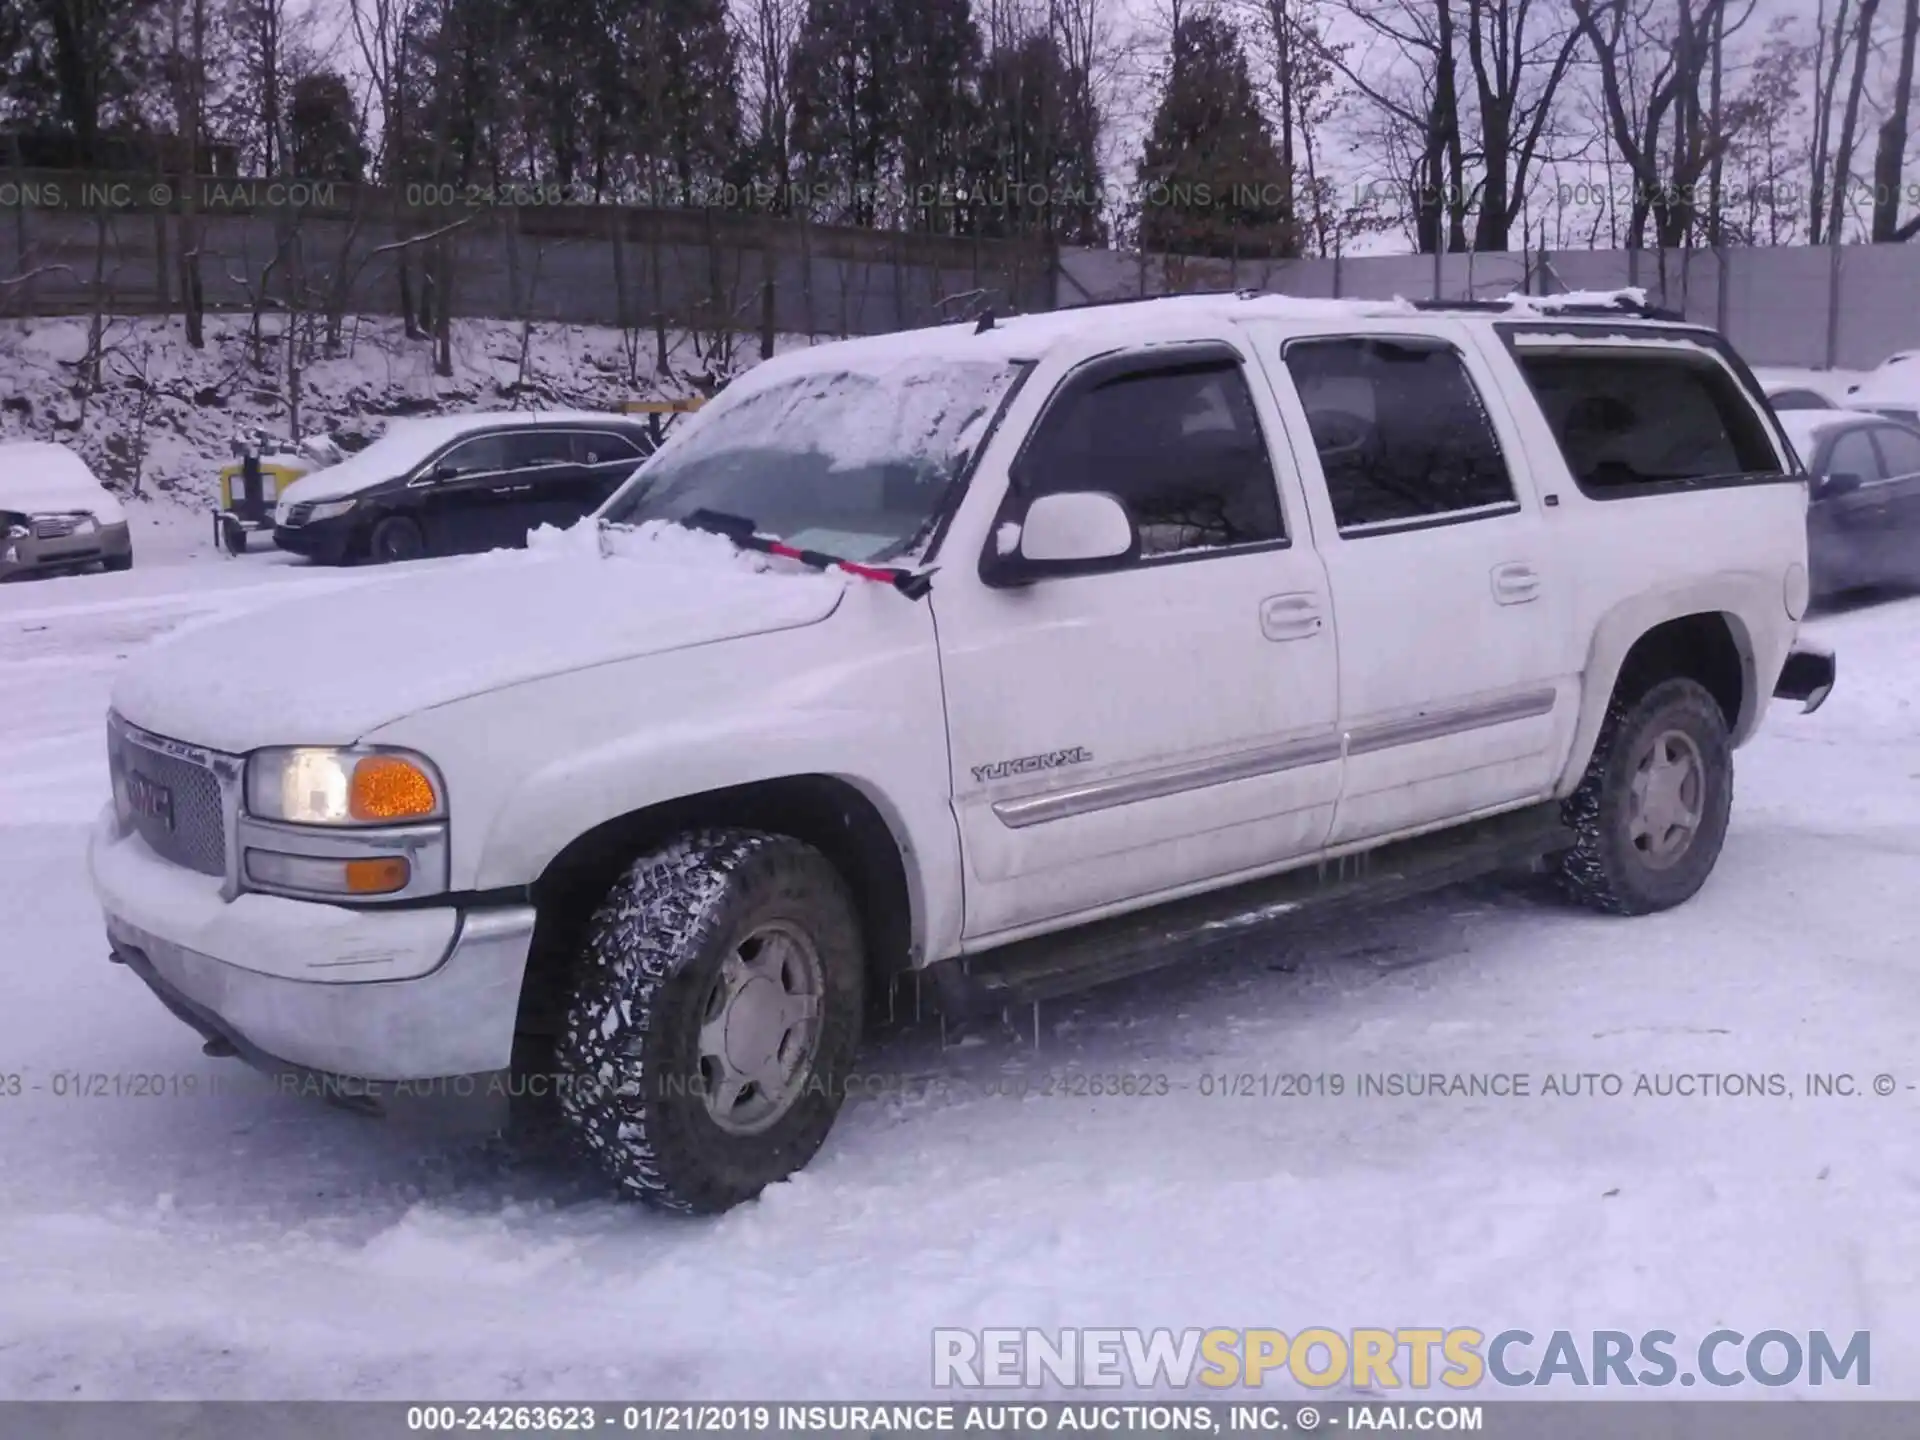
x=1022 y=654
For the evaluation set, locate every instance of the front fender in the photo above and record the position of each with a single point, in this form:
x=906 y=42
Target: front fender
x=531 y=768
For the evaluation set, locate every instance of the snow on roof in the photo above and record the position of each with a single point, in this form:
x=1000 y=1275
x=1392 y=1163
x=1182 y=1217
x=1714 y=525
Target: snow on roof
x=43 y=459
x=1522 y=304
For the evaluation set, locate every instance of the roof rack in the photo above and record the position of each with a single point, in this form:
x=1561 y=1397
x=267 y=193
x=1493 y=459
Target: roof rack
x=1621 y=305
x=1239 y=292
x=1614 y=308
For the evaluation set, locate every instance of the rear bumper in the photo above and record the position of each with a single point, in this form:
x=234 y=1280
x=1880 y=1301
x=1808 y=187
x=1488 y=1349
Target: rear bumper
x=1807 y=677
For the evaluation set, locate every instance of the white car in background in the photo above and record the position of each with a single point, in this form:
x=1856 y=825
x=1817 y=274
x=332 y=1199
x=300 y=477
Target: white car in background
x=1795 y=389
x=1891 y=389
x=54 y=513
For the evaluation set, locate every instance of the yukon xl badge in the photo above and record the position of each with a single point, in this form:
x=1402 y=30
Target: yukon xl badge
x=1027 y=764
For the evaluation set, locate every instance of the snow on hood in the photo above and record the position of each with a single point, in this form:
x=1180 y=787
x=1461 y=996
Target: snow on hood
x=37 y=477
x=328 y=668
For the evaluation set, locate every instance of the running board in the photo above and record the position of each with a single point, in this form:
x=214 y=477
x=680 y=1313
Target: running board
x=1067 y=962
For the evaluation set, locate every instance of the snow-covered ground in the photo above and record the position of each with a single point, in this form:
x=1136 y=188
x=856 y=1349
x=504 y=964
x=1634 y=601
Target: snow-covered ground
x=242 y=1244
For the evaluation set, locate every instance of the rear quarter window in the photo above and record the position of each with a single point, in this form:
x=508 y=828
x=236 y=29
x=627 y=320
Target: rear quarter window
x=1629 y=419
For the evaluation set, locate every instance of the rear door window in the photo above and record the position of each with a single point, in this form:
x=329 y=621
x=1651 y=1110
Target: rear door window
x=535 y=449
x=1630 y=417
x=1402 y=433
x=1899 y=451
x=602 y=447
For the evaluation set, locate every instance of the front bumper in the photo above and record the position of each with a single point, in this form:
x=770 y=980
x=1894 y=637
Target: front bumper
x=327 y=542
x=35 y=554
x=1807 y=677
x=285 y=983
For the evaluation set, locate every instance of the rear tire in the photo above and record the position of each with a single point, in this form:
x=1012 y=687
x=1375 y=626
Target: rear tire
x=1651 y=813
x=715 y=1016
x=396 y=539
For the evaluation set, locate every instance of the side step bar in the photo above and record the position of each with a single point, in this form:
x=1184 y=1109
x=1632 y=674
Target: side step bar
x=1108 y=950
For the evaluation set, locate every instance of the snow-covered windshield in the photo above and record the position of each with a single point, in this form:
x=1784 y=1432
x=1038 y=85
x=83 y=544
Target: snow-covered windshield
x=852 y=461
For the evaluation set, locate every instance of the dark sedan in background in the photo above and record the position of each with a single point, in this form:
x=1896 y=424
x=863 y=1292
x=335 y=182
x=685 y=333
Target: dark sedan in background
x=1863 y=519
x=459 y=484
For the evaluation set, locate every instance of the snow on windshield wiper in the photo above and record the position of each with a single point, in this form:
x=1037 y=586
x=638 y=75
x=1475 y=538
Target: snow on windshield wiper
x=742 y=532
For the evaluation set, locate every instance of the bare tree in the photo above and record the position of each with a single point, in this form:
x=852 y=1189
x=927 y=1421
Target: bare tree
x=186 y=66
x=382 y=37
x=1407 y=67
x=1890 y=151
x=1520 y=51
x=1850 y=121
x=1655 y=60
x=768 y=31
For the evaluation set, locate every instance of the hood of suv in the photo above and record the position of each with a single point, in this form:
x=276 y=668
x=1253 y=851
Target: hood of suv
x=328 y=668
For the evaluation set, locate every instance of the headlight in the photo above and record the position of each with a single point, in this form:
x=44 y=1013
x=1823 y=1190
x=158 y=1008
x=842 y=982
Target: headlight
x=329 y=509
x=302 y=785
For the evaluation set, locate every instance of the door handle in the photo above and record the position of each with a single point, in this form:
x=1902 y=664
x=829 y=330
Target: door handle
x=1291 y=617
x=1515 y=584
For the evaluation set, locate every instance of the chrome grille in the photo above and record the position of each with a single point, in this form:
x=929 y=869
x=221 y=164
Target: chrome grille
x=197 y=834
x=54 y=527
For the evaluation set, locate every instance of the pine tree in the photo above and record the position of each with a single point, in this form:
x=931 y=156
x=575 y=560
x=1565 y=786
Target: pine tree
x=1211 y=182
x=939 y=75
x=323 y=129
x=1037 y=172
x=847 y=98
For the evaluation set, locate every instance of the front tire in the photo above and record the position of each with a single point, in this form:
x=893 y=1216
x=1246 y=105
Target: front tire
x=396 y=539
x=715 y=1016
x=1651 y=813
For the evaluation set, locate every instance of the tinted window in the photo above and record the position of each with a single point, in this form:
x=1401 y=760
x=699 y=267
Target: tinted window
x=1181 y=447
x=1626 y=418
x=1400 y=429
x=1800 y=400
x=1899 y=450
x=528 y=448
x=1853 y=454
x=600 y=447
x=482 y=453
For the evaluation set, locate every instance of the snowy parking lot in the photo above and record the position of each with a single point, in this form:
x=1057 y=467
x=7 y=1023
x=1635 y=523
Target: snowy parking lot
x=168 y=1229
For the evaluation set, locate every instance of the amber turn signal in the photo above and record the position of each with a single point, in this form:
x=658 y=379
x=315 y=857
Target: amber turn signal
x=388 y=787
x=377 y=877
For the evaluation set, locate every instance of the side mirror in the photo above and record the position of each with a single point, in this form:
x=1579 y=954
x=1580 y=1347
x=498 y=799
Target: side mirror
x=1843 y=483
x=1066 y=534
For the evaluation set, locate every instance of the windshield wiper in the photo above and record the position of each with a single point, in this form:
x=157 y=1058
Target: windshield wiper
x=742 y=532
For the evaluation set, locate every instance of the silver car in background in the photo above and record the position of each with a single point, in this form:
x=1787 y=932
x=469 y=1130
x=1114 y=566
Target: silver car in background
x=54 y=514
